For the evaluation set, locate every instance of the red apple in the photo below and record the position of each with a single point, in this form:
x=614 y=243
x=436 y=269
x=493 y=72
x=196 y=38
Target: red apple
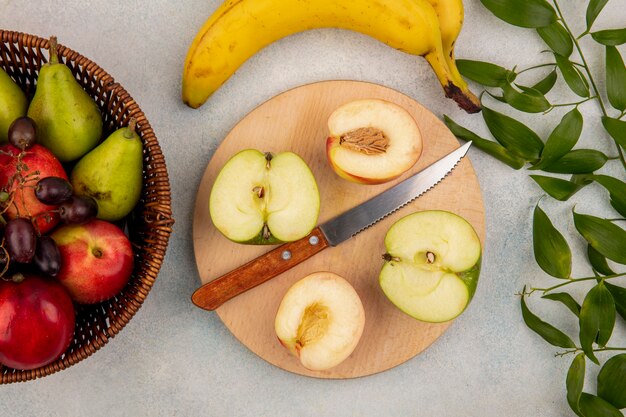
x=36 y=322
x=36 y=158
x=96 y=260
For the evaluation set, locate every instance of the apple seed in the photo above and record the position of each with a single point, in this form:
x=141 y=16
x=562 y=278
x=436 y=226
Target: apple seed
x=430 y=257
x=367 y=140
x=266 y=232
x=259 y=191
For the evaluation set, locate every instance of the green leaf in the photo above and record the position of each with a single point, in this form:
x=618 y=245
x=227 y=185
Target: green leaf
x=593 y=10
x=612 y=381
x=557 y=38
x=598 y=261
x=492 y=148
x=619 y=295
x=615 y=78
x=527 y=14
x=616 y=189
x=557 y=188
x=605 y=237
x=610 y=37
x=513 y=135
x=581 y=179
x=544 y=86
x=572 y=76
x=547 y=331
x=552 y=252
x=597 y=318
x=566 y=299
x=592 y=406
x=616 y=128
x=575 y=381
x=484 y=73
x=562 y=139
x=578 y=161
x=529 y=101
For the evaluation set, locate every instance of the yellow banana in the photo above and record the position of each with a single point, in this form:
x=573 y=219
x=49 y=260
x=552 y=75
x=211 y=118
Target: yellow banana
x=240 y=28
x=450 y=14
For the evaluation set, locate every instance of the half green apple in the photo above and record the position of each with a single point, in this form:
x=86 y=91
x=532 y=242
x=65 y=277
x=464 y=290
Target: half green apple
x=264 y=198
x=432 y=265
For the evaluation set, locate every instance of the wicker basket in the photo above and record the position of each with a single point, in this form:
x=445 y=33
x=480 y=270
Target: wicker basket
x=149 y=226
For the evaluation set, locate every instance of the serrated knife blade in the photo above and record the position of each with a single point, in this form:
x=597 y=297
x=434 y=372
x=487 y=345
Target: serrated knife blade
x=213 y=294
x=366 y=214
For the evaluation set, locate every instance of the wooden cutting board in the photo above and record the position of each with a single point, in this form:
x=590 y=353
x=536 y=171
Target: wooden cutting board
x=296 y=121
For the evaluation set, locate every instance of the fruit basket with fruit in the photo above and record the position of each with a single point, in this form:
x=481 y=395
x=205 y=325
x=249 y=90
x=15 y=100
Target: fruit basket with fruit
x=108 y=161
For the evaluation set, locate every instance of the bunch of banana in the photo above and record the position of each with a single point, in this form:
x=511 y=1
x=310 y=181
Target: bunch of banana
x=240 y=28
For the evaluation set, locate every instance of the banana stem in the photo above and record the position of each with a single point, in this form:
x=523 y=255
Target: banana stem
x=461 y=94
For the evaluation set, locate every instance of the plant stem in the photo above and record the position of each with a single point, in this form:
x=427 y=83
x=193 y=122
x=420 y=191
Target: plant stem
x=578 y=103
x=536 y=66
x=588 y=71
x=571 y=281
x=609 y=348
x=582 y=56
x=577 y=349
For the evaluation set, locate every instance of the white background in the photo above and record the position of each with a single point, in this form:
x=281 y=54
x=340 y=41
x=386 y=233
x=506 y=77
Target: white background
x=175 y=360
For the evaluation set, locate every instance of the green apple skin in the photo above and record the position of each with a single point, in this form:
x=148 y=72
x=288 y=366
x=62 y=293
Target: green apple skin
x=262 y=240
x=437 y=292
x=287 y=210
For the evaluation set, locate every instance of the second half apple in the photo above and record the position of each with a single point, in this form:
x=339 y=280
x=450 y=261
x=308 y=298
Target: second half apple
x=372 y=141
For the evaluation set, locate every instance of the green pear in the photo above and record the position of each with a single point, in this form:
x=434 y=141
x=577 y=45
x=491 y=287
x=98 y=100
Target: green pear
x=112 y=173
x=68 y=120
x=13 y=104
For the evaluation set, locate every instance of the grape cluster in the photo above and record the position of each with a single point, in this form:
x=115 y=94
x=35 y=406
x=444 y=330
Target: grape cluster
x=21 y=244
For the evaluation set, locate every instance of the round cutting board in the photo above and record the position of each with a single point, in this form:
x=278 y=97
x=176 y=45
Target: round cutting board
x=296 y=121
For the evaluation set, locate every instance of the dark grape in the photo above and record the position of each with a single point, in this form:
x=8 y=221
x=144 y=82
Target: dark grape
x=53 y=190
x=20 y=240
x=47 y=256
x=4 y=260
x=78 y=209
x=23 y=133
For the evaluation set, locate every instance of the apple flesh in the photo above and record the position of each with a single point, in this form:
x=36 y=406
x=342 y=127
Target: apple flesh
x=432 y=265
x=25 y=204
x=372 y=141
x=320 y=320
x=262 y=198
x=96 y=260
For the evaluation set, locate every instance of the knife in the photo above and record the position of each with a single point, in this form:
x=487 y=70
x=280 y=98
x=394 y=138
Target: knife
x=213 y=294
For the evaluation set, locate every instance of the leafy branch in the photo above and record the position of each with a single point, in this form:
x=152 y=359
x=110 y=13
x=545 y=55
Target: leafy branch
x=518 y=146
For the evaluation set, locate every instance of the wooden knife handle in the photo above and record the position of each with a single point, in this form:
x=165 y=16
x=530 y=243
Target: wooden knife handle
x=215 y=293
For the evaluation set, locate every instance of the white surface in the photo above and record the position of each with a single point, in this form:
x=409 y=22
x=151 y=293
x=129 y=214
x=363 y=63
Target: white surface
x=173 y=359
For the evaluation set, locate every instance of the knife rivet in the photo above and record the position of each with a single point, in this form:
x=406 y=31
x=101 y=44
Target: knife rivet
x=314 y=240
x=286 y=255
